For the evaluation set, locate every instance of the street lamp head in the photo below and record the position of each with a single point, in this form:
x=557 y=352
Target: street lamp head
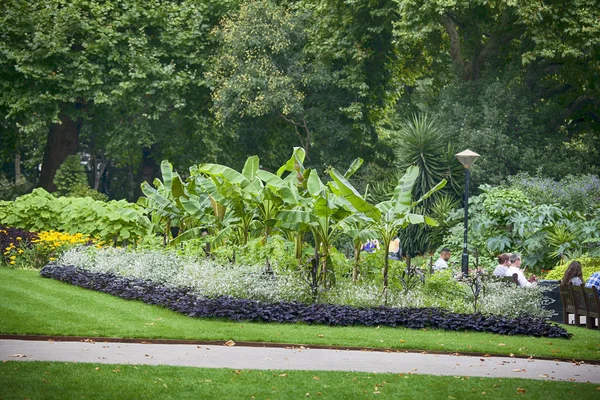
x=467 y=158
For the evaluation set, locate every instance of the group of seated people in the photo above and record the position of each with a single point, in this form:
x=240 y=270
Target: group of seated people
x=574 y=276
x=510 y=264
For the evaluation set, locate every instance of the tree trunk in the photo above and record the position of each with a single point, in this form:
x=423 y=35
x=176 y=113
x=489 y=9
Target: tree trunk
x=63 y=140
x=17 y=168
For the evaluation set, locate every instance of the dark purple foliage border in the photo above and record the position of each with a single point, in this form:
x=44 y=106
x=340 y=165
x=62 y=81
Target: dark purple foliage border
x=185 y=301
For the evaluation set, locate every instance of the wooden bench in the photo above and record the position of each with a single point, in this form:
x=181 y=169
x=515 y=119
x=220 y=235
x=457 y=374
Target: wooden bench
x=581 y=302
x=511 y=279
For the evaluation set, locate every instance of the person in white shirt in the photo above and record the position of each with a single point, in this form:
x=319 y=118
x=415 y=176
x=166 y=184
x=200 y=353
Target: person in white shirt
x=515 y=264
x=503 y=264
x=442 y=262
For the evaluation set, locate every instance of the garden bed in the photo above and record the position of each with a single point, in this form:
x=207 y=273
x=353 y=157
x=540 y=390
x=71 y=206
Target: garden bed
x=185 y=301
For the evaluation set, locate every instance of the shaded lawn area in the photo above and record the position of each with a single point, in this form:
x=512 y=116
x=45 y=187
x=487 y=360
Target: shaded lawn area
x=32 y=305
x=53 y=380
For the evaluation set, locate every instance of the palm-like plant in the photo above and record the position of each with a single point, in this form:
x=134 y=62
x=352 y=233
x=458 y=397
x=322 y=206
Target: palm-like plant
x=422 y=143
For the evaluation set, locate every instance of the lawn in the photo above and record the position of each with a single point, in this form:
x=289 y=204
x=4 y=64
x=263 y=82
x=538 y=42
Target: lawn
x=32 y=305
x=51 y=380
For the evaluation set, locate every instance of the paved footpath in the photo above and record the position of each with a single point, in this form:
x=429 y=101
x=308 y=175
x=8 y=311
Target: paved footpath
x=295 y=358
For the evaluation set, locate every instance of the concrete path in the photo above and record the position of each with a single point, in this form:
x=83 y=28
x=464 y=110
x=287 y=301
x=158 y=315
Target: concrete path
x=271 y=358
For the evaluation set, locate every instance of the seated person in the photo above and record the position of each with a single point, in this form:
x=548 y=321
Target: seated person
x=369 y=247
x=503 y=264
x=594 y=281
x=394 y=248
x=515 y=264
x=573 y=275
x=442 y=262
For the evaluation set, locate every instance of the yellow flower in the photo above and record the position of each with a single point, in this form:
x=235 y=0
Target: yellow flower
x=51 y=258
x=20 y=251
x=12 y=263
x=19 y=238
x=13 y=257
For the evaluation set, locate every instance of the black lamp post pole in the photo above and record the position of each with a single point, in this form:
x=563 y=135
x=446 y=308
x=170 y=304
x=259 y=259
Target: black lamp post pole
x=465 y=254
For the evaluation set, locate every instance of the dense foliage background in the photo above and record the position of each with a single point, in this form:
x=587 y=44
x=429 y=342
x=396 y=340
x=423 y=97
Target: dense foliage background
x=128 y=83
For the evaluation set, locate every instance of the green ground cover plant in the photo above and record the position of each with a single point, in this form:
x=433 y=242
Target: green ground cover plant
x=36 y=306
x=53 y=380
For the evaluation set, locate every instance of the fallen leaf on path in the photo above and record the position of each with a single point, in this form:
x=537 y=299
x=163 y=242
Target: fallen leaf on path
x=230 y=343
x=18 y=355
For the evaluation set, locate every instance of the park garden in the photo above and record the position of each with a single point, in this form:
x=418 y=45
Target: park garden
x=224 y=162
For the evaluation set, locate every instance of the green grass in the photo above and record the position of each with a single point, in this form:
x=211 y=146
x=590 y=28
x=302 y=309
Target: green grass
x=53 y=380
x=34 y=305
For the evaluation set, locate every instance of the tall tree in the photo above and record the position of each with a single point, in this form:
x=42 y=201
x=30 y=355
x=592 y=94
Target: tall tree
x=317 y=74
x=118 y=68
x=515 y=80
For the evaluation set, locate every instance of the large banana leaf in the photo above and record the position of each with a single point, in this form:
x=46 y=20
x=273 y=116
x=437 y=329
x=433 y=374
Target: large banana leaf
x=314 y=185
x=287 y=193
x=356 y=164
x=295 y=163
x=403 y=192
x=347 y=191
x=251 y=167
x=228 y=174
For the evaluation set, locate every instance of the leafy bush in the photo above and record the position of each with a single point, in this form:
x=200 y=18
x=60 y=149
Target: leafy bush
x=589 y=265
x=86 y=191
x=69 y=175
x=185 y=301
x=10 y=190
x=115 y=221
x=574 y=193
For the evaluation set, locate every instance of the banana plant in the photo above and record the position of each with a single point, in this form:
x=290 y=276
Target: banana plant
x=163 y=201
x=319 y=211
x=386 y=217
x=253 y=196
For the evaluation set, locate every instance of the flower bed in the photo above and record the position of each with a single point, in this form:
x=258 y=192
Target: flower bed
x=183 y=300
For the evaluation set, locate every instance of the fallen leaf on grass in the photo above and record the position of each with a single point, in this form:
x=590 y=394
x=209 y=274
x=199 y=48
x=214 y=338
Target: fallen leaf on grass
x=501 y=344
x=283 y=375
x=520 y=390
x=402 y=341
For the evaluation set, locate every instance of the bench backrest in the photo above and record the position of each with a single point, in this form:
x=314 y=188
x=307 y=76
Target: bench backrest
x=592 y=301
x=578 y=299
x=567 y=299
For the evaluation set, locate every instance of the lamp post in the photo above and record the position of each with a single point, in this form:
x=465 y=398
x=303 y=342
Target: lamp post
x=466 y=158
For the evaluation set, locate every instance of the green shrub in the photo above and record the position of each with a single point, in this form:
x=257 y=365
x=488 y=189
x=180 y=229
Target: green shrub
x=69 y=175
x=116 y=222
x=10 y=190
x=81 y=190
x=589 y=265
